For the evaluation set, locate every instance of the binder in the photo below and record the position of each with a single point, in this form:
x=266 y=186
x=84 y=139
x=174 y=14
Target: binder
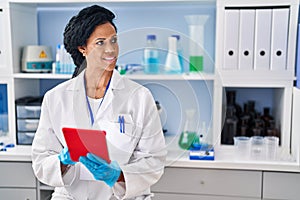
x=298 y=59
x=246 y=39
x=280 y=29
x=262 y=45
x=231 y=39
x=2 y=39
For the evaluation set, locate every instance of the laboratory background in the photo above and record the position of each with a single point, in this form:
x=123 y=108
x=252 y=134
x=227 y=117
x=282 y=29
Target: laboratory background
x=225 y=75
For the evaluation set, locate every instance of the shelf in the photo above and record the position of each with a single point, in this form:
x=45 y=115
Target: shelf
x=41 y=76
x=200 y=76
x=57 y=4
x=110 y=1
x=254 y=78
x=197 y=76
x=255 y=3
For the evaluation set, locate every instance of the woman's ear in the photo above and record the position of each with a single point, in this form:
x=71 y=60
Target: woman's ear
x=82 y=50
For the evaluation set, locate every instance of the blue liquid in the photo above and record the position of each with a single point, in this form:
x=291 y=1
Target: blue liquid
x=180 y=55
x=151 y=65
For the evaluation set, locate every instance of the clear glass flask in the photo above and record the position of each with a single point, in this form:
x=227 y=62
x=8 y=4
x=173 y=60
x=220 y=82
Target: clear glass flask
x=172 y=65
x=179 y=51
x=189 y=136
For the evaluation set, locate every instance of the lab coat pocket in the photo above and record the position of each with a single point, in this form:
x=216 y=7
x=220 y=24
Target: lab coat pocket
x=121 y=139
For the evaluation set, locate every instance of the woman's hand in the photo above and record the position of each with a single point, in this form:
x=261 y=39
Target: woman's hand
x=65 y=158
x=101 y=170
x=65 y=161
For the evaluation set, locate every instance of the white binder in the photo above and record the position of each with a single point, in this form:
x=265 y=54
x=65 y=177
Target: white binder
x=231 y=39
x=298 y=59
x=262 y=43
x=280 y=27
x=246 y=39
x=2 y=43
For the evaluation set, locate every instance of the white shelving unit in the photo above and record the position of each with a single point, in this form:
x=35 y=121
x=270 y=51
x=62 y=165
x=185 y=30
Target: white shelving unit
x=21 y=27
x=280 y=82
x=24 y=11
x=41 y=76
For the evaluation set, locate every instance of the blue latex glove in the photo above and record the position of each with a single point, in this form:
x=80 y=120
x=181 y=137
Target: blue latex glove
x=101 y=170
x=65 y=158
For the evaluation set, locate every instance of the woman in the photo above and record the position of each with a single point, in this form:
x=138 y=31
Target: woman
x=96 y=98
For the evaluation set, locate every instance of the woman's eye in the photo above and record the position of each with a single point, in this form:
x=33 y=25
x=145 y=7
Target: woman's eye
x=114 y=40
x=100 y=43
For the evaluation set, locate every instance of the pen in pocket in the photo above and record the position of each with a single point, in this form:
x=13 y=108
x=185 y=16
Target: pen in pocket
x=122 y=124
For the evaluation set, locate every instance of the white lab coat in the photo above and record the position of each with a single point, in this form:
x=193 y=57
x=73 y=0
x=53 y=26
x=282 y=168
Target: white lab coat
x=140 y=151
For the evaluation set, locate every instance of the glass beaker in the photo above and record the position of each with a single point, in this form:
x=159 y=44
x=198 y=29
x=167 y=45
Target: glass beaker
x=258 y=151
x=196 y=50
x=242 y=149
x=188 y=136
x=272 y=143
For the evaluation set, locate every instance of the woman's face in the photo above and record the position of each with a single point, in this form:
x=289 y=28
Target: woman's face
x=102 y=49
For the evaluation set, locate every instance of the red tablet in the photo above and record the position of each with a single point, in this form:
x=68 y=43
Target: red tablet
x=83 y=141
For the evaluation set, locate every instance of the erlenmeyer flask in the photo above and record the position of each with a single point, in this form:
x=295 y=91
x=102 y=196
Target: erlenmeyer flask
x=172 y=65
x=188 y=136
x=196 y=49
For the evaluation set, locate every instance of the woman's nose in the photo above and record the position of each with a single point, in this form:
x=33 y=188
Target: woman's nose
x=109 y=48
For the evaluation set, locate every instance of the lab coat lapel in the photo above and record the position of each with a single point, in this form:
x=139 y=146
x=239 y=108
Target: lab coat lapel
x=116 y=83
x=81 y=114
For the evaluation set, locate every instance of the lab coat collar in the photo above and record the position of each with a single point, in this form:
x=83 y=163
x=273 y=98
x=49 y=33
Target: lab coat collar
x=77 y=86
x=116 y=82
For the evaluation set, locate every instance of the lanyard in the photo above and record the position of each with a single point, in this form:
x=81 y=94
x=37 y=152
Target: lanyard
x=89 y=105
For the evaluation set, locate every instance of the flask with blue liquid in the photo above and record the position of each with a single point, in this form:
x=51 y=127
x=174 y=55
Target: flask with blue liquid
x=173 y=64
x=180 y=52
x=151 y=56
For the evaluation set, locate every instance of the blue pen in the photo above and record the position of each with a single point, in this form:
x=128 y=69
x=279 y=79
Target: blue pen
x=120 y=122
x=10 y=145
x=123 y=125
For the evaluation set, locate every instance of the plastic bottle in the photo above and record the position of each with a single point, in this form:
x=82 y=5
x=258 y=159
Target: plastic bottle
x=172 y=65
x=151 y=56
x=58 y=60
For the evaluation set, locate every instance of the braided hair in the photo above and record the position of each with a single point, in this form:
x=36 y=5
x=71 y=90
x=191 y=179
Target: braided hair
x=79 y=29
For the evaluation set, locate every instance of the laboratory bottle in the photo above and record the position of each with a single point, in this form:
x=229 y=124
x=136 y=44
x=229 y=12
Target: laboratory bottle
x=172 y=65
x=258 y=129
x=233 y=112
x=151 y=56
x=243 y=128
x=245 y=120
x=266 y=117
x=252 y=111
x=58 y=60
x=188 y=136
x=272 y=130
x=180 y=51
x=230 y=127
x=246 y=114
